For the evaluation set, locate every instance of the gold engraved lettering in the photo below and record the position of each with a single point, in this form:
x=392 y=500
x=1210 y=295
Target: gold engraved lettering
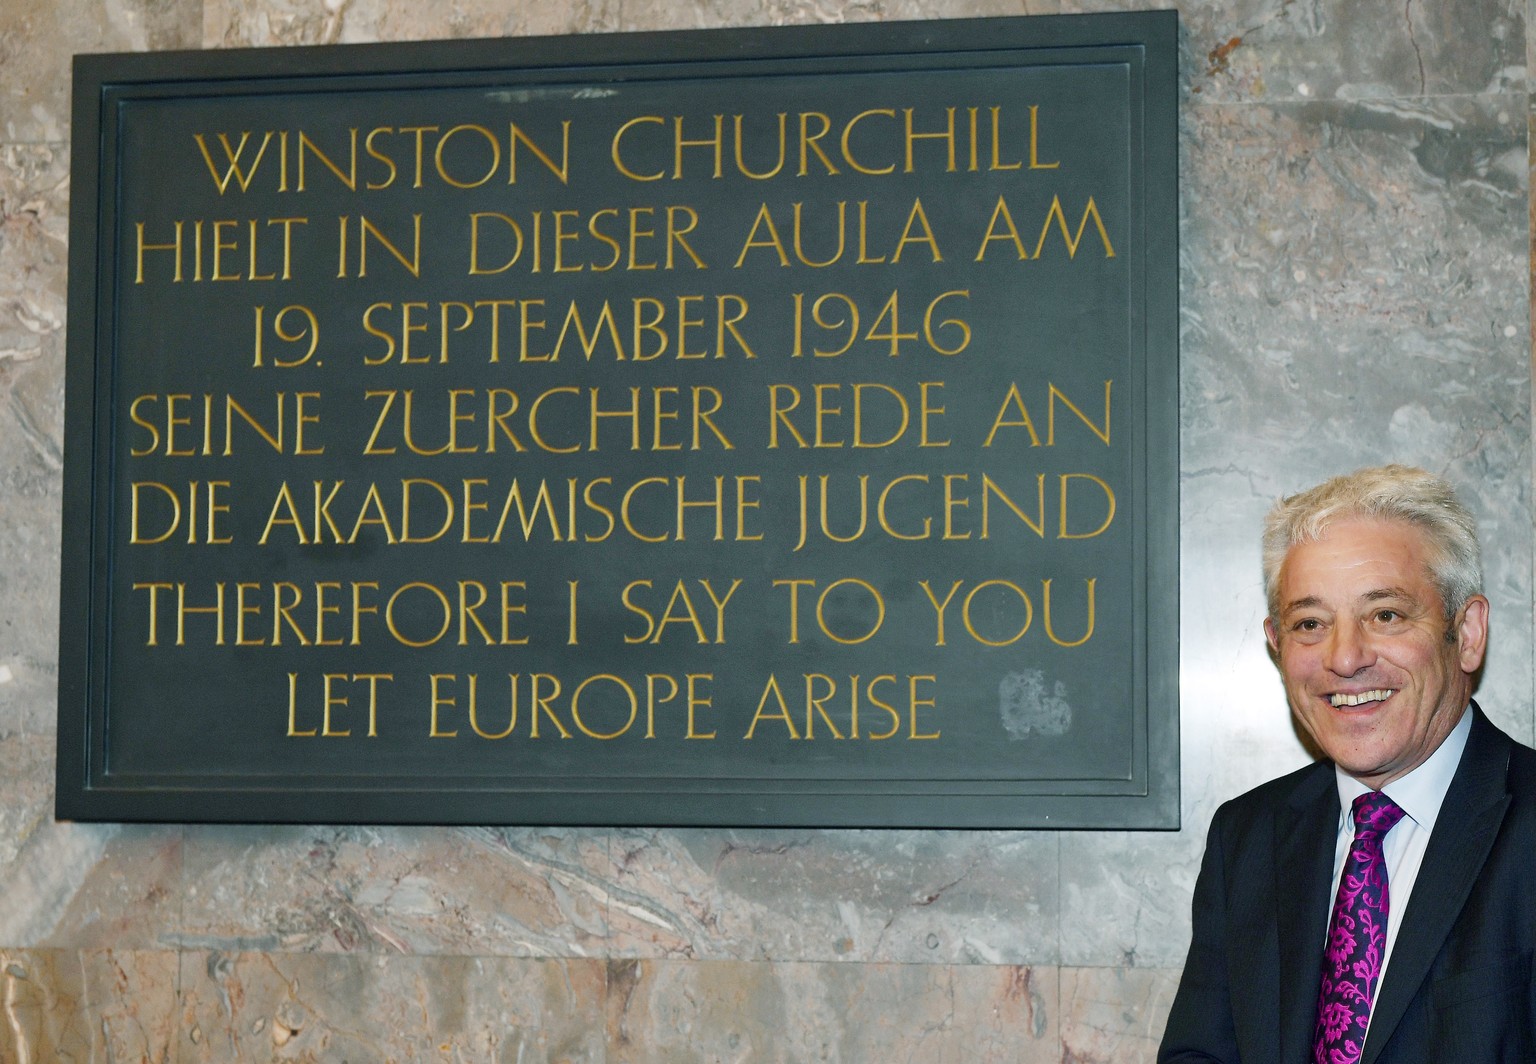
x=540 y=703
x=716 y=142
x=1055 y=214
x=679 y=609
x=847 y=149
x=1057 y=394
x=1109 y=505
x=439 y=700
x=778 y=165
x=1088 y=628
x=819 y=689
x=947 y=138
x=616 y=153
x=474 y=711
x=628 y=696
x=913 y=702
x=233 y=170
x=771 y=690
x=1034 y=138
x=293 y=709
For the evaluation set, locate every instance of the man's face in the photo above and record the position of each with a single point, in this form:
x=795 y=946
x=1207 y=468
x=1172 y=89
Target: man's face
x=1361 y=641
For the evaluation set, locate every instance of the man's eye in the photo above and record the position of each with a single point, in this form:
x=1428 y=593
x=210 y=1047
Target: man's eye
x=1309 y=624
x=1387 y=616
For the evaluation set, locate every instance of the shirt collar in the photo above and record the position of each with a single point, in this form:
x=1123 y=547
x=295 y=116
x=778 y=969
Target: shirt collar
x=1420 y=792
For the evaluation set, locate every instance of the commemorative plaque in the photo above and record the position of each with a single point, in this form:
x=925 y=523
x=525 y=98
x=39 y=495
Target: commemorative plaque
x=739 y=428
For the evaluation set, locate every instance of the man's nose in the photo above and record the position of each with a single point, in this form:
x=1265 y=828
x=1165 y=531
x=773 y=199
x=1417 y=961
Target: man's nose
x=1348 y=650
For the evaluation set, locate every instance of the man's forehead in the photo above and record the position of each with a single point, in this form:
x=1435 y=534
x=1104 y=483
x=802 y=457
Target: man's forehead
x=1364 y=559
x=1369 y=596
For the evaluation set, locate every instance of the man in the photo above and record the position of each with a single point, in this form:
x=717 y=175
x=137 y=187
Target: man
x=1405 y=937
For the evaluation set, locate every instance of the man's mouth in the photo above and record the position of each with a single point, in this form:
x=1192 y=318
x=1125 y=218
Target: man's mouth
x=1359 y=698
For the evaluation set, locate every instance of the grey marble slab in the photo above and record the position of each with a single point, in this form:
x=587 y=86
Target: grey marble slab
x=38 y=37
x=867 y=896
x=355 y=1007
x=235 y=24
x=436 y=891
x=678 y=1012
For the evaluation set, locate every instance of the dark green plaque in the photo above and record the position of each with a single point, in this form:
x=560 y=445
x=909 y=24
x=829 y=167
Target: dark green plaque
x=749 y=427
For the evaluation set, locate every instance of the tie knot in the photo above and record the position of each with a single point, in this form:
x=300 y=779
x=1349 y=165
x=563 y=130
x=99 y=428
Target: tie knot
x=1375 y=814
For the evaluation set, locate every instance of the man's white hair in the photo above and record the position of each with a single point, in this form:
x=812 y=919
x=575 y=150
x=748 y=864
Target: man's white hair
x=1391 y=493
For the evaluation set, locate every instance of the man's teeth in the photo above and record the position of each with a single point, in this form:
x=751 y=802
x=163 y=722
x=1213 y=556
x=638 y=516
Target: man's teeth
x=1359 y=699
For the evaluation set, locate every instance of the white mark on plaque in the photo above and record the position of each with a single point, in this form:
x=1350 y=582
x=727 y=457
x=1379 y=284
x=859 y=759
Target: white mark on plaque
x=1030 y=705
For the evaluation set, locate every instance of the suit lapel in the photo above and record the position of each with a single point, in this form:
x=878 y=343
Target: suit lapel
x=1464 y=832
x=1306 y=829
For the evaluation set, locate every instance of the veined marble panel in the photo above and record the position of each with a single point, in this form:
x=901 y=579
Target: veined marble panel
x=87 y=1006
x=680 y=1012
x=470 y=891
x=77 y=886
x=26 y=796
x=1356 y=291
x=123 y=899
x=1272 y=50
x=1114 y=1015
x=29 y=599
x=232 y=23
x=228 y=23
x=317 y=1007
x=34 y=221
x=704 y=14
x=1125 y=897
x=34 y=234
x=37 y=38
x=914 y=897
x=1235 y=728
x=1530 y=39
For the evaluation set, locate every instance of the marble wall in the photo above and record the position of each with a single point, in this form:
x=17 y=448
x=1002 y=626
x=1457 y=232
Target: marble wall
x=1355 y=289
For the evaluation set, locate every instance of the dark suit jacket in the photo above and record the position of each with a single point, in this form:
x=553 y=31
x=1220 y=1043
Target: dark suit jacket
x=1458 y=986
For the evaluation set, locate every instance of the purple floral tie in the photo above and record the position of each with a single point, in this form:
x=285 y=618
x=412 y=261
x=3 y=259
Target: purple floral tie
x=1357 y=937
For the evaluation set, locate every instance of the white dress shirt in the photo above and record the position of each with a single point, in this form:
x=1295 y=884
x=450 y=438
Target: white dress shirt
x=1419 y=794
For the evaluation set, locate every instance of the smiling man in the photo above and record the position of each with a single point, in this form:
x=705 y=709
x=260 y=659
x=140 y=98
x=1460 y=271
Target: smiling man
x=1378 y=906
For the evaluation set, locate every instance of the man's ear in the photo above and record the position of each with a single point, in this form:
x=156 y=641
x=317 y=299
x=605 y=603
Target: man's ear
x=1472 y=633
x=1271 y=637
